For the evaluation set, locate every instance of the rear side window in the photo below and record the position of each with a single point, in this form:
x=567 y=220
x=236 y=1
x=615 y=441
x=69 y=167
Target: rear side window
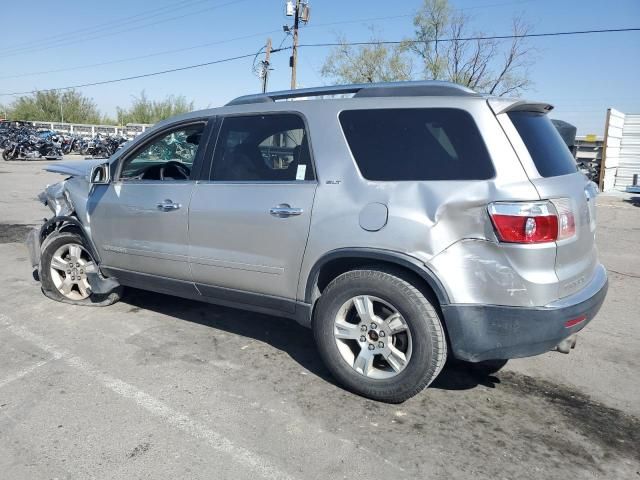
x=416 y=144
x=549 y=152
x=263 y=148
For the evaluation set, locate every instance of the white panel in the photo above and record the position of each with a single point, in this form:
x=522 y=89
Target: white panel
x=629 y=155
x=616 y=121
x=614 y=131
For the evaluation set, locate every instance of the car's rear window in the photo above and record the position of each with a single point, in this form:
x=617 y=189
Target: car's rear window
x=416 y=144
x=549 y=152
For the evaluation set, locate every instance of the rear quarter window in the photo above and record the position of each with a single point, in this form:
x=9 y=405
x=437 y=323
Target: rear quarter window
x=416 y=144
x=548 y=150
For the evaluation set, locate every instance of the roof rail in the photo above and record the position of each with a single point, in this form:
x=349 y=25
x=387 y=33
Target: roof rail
x=423 y=88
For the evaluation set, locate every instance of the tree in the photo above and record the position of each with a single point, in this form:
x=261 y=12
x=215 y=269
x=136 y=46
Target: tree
x=54 y=106
x=449 y=51
x=366 y=64
x=143 y=110
x=446 y=48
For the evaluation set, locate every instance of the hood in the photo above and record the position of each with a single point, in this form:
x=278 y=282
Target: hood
x=75 y=168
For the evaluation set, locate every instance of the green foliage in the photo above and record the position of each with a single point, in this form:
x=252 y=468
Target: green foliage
x=438 y=46
x=73 y=107
x=487 y=66
x=53 y=106
x=366 y=64
x=143 y=110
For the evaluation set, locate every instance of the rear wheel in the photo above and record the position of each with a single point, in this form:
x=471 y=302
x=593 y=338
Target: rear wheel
x=64 y=268
x=379 y=335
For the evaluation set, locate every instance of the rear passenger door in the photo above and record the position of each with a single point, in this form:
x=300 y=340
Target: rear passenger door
x=249 y=217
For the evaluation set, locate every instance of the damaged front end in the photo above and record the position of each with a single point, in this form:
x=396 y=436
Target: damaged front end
x=57 y=198
x=67 y=201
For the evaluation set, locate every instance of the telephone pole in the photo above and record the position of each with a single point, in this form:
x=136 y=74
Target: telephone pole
x=294 y=53
x=265 y=66
x=300 y=11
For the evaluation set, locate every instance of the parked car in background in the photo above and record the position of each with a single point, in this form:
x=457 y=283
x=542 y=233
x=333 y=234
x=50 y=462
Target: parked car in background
x=410 y=223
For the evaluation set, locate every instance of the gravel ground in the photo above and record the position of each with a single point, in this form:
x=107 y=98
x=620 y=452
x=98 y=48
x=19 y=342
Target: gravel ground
x=159 y=387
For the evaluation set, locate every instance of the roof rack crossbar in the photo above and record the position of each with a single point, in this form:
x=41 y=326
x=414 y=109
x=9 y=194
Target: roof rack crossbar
x=386 y=89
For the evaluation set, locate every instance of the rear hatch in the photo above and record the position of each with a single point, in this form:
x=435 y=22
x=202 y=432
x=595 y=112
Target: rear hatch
x=554 y=173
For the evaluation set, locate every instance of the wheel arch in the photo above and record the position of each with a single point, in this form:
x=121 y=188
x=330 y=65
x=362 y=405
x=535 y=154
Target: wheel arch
x=67 y=224
x=336 y=262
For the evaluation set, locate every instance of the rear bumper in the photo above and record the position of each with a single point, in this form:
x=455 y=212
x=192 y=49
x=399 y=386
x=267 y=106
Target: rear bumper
x=491 y=332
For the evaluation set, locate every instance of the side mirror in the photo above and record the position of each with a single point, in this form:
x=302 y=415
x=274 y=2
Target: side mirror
x=100 y=174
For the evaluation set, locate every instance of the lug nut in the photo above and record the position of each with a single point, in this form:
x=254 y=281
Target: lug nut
x=363 y=328
x=381 y=344
x=73 y=278
x=363 y=339
x=371 y=347
x=68 y=271
x=382 y=334
x=373 y=326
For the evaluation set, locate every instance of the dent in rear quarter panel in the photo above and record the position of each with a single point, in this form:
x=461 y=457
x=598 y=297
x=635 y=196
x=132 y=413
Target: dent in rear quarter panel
x=424 y=218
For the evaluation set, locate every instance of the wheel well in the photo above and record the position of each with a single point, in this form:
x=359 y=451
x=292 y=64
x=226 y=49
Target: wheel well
x=67 y=224
x=336 y=267
x=412 y=274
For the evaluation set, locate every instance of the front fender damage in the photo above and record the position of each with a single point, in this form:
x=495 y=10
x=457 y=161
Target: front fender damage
x=58 y=198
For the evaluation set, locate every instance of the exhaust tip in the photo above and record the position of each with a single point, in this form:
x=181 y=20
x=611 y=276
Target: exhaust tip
x=567 y=344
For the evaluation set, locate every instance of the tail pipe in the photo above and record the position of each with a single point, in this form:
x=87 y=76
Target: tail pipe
x=567 y=344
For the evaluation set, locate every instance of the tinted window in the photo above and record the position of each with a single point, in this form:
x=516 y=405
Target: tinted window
x=168 y=157
x=262 y=148
x=546 y=147
x=416 y=144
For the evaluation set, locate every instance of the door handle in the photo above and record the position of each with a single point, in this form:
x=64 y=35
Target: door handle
x=285 y=210
x=168 y=205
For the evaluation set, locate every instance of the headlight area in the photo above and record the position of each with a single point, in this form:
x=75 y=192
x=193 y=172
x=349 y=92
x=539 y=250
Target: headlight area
x=56 y=197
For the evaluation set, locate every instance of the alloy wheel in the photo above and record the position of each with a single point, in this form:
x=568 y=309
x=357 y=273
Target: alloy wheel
x=69 y=267
x=372 y=337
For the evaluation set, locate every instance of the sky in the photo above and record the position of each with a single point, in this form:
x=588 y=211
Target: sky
x=580 y=75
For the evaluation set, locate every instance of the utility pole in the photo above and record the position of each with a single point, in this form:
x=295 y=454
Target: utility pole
x=294 y=53
x=265 y=66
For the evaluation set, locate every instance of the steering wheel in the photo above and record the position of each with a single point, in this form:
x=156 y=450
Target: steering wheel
x=180 y=168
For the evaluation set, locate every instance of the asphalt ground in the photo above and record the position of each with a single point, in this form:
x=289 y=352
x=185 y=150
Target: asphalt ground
x=159 y=387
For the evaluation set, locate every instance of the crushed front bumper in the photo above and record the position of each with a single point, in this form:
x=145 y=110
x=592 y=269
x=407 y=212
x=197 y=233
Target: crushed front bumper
x=492 y=332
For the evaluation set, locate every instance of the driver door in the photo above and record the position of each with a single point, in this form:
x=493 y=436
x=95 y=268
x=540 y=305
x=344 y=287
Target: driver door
x=139 y=222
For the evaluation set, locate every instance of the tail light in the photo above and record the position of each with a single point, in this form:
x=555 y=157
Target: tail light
x=533 y=222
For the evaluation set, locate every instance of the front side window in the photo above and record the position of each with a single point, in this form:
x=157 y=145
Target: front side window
x=416 y=144
x=262 y=148
x=168 y=157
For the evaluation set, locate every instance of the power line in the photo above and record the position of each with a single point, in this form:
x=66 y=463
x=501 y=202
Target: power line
x=133 y=77
x=407 y=15
x=465 y=39
x=139 y=57
x=101 y=26
x=495 y=37
x=111 y=32
x=178 y=50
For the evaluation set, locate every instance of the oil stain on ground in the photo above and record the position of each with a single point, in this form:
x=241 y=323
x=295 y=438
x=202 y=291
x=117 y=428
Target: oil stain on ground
x=13 y=233
x=612 y=429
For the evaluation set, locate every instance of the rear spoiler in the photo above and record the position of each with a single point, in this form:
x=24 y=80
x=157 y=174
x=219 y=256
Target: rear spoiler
x=504 y=105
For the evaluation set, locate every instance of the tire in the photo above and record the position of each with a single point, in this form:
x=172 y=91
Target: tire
x=53 y=279
x=422 y=340
x=5 y=155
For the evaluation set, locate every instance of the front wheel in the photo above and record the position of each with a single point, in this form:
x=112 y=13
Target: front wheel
x=64 y=267
x=379 y=335
x=6 y=155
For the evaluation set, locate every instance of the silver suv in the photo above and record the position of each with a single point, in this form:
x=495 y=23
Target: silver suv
x=402 y=222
